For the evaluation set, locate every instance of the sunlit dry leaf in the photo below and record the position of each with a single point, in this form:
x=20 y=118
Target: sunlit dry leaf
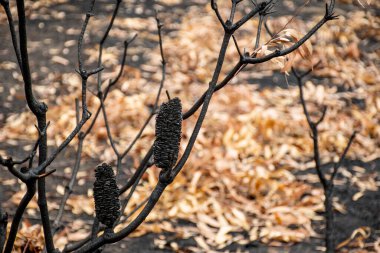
x=222 y=236
x=357 y=196
x=359 y=235
x=81 y=204
x=60 y=60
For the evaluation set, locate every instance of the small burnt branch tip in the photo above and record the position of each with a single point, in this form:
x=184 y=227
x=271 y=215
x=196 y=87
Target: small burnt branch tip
x=168 y=95
x=4 y=2
x=159 y=23
x=214 y=5
x=81 y=135
x=7 y=162
x=95 y=71
x=263 y=5
x=329 y=13
x=88 y=114
x=86 y=74
x=128 y=42
x=228 y=24
x=82 y=73
x=68 y=189
x=246 y=53
x=46 y=174
x=266 y=10
x=324 y=110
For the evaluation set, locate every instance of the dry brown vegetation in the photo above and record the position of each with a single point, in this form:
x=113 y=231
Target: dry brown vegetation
x=241 y=176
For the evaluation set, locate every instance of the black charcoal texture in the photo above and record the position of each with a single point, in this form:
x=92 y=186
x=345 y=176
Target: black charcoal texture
x=168 y=134
x=106 y=195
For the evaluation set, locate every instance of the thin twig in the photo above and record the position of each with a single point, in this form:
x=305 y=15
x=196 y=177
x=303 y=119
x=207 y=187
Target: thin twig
x=128 y=198
x=109 y=86
x=142 y=167
x=3 y=228
x=328 y=184
x=103 y=40
x=259 y=8
x=314 y=130
x=214 y=6
x=271 y=34
x=85 y=113
x=122 y=65
x=69 y=187
x=163 y=77
x=5 y=4
x=107 y=125
x=233 y=10
x=258 y=35
x=295 y=46
x=31 y=190
x=89 y=14
x=342 y=156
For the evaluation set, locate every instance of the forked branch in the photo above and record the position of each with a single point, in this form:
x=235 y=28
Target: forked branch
x=328 y=184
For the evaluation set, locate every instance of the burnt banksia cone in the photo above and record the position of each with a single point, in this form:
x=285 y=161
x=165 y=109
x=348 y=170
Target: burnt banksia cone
x=168 y=134
x=106 y=195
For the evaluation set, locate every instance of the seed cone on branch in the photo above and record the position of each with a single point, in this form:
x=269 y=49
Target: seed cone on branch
x=168 y=134
x=106 y=195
